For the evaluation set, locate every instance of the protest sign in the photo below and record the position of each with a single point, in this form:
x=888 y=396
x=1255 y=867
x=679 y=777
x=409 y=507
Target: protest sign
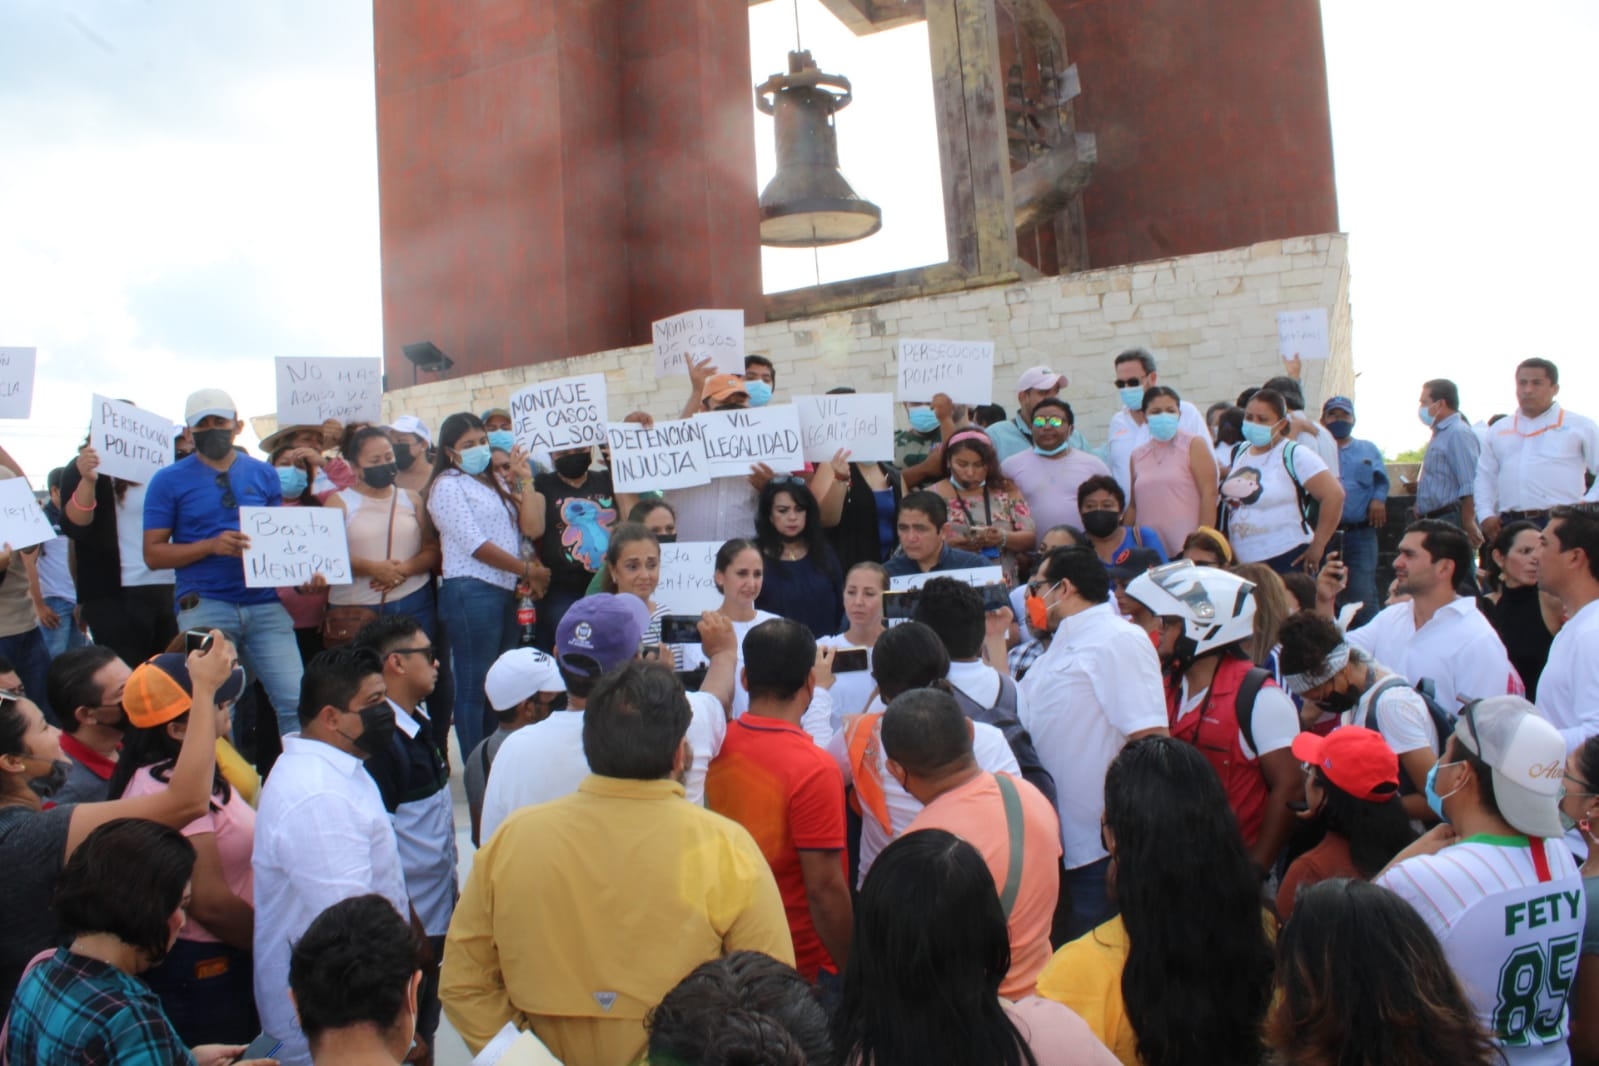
x=133 y=444
x=16 y=381
x=961 y=370
x=696 y=335
x=289 y=545
x=977 y=577
x=670 y=455
x=311 y=391
x=22 y=520
x=737 y=440
x=550 y=416
x=1302 y=333
x=688 y=583
x=861 y=422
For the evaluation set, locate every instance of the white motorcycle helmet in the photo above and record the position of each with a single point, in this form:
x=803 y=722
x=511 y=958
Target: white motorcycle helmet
x=1215 y=605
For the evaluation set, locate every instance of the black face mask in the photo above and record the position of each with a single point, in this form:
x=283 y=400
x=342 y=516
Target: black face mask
x=1337 y=702
x=403 y=456
x=382 y=475
x=666 y=538
x=48 y=785
x=214 y=444
x=574 y=466
x=1101 y=523
x=377 y=727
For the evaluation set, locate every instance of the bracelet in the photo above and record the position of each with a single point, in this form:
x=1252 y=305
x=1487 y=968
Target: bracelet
x=840 y=478
x=73 y=501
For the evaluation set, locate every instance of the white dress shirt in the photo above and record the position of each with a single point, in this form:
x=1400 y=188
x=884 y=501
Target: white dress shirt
x=1568 y=688
x=1532 y=464
x=321 y=836
x=1098 y=683
x=1457 y=650
x=1127 y=435
x=424 y=831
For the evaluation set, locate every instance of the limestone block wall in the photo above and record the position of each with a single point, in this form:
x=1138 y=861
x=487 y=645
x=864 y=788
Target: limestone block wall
x=1210 y=320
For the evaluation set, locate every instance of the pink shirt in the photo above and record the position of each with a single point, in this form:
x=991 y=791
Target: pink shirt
x=975 y=812
x=1163 y=490
x=1050 y=485
x=1056 y=1035
x=234 y=829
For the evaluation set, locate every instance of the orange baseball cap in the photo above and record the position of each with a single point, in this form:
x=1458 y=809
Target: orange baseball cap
x=160 y=690
x=723 y=387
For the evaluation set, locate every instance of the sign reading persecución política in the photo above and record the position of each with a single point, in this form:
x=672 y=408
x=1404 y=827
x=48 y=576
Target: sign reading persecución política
x=861 y=422
x=311 y=391
x=551 y=416
x=290 y=545
x=132 y=443
x=696 y=335
x=16 y=381
x=961 y=370
x=668 y=455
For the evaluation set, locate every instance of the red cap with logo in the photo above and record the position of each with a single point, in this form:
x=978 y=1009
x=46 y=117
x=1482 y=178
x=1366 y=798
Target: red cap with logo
x=1356 y=759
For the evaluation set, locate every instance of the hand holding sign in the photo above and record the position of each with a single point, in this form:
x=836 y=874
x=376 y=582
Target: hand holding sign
x=735 y=441
x=697 y=335
x=128 y=442
x=861 y=422
x=1302 y=334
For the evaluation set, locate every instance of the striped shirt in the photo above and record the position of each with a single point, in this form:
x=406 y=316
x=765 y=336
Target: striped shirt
x=1510 y=922
x=1449 y=468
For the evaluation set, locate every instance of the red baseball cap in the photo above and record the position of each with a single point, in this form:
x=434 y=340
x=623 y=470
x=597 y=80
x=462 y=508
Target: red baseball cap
x=1356 y=759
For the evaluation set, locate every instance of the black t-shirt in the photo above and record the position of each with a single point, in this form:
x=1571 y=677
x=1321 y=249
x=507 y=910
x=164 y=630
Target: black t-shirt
x=33 y=848
x=577 y=528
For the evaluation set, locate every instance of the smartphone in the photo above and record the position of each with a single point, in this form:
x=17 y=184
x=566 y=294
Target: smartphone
x=262 y=1047
x=849 y=661
x=994 y=597
x=197 y=640
x=899 y=605
x=1335 y=544
x=680 y=629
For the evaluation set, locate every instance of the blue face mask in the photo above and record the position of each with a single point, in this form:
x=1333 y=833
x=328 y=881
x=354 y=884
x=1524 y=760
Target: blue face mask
x=476 y=460
x=293 y=480
x=1258 y=435
x=760 y=393
x=1049 y=453
x=923 y=420
x=1132 y=396
x=1425 y=414
x=1163 y=426
x=1435 y=801
x=502 y=439
x=1340 y=429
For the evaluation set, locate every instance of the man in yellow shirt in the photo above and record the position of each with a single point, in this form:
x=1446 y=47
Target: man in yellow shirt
x=582 y=913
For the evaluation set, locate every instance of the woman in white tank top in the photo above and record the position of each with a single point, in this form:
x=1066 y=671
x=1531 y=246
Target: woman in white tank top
x=392 y=570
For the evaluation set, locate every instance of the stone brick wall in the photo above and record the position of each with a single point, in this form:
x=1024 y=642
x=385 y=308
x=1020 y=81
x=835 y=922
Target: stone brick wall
x=1210 y=320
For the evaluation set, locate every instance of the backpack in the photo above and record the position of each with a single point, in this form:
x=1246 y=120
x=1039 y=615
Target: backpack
x=1244 y=703
x=1309 y=506
x=1442 y=720
x=1002 y=716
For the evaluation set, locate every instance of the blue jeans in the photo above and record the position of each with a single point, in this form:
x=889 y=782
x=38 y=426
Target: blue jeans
x=1360 y=556
x=419 y=607
x=263 y=633
x=481 y=619
x=30 y=658
x=65 y=636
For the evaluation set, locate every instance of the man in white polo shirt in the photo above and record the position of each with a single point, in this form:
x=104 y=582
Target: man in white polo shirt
x=1129 y=429
x=1496 y=884
x=1438 y=634
x=1568 y=567
x=1536 y=458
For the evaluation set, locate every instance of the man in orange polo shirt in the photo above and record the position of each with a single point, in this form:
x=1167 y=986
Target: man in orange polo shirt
x=773 y=779
x=928 y=742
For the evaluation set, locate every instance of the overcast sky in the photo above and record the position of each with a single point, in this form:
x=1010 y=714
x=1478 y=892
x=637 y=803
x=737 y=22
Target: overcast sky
x=190 y=187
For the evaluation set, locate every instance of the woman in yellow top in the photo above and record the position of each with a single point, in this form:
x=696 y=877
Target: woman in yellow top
x=1183 y=975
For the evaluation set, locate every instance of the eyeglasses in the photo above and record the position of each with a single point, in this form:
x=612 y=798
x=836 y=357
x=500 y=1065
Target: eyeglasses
x=226 y=486
x=426 y=651
x=1129 y=383
x=1587 y=789
x=1048 y=421
x=1038 y=588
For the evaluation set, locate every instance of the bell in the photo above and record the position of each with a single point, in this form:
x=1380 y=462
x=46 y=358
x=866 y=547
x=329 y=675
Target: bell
x=808 y=203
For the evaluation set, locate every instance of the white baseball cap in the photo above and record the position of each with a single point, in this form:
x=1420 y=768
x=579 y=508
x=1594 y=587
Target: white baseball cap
x=1528 y=758
x=519 y=674
x=412 y=425
x=207 y=403
x=1039 y=377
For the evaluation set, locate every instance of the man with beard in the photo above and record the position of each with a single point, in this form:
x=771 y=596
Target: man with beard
x=85 y=687
x=1222 y=703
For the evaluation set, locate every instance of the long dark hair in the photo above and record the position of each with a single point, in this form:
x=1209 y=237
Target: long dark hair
x=1376 y=831
x=1190 y=900
x=930 y=949
x=972 y=441
x=817 y=551
x=1363 y=982
x=454 y=428
x=155 y=748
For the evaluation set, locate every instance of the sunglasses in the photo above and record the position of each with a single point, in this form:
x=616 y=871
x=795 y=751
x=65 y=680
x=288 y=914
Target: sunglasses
x=426 y=651
x=226 y=486
x=788 y=479
x=1129 y=383
x=1048 y=421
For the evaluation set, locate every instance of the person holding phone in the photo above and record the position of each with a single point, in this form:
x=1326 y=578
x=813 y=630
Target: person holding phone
x=864 y=587
x=740 y=571
x=987 y=513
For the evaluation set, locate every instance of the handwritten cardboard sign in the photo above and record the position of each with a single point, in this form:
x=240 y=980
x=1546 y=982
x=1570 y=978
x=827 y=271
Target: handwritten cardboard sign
x=697 y=334
x=670 y=455
x=688 y=583
x=551 y=416
x=311 y=391
x=737 y=440
x=133 y=444
x=16 y=381
x=961 y=370
x=1302 y=333
x=289 y=545
x=976 y=577
x=861 y=422
x=22 y=521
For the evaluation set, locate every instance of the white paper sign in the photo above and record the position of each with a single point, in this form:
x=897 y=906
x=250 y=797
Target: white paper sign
x=688 y=582
x=311 y=391
x=671 y=455
x=288 y=545
x=22 y=520
x=16 y=381
x=977 y=577
x=961 y=370
x=1302 y=333
x=133 y=443
x=861 y=422
x=697 y=334
x=737 y=440
x=550 y=416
